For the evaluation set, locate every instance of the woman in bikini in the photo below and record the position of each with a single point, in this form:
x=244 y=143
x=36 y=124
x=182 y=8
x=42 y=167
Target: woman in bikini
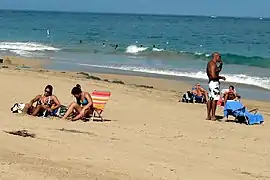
x=83 y=105
x=46 y=103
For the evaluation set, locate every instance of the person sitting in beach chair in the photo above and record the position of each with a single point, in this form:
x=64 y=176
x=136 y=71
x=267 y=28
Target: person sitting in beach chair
x=228 y=95
x=46 y=104
x=200 y=94
x=83 y=107
x=231 y=95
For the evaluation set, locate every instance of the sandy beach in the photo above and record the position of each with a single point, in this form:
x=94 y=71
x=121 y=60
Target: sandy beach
x=147 y=134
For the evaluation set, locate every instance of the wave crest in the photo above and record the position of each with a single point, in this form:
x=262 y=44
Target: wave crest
x=133 y=49
x=26 y=48
x=228 y=58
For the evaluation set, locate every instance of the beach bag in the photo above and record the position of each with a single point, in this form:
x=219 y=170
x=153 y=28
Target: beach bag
x=17 y=108
x=188 y=97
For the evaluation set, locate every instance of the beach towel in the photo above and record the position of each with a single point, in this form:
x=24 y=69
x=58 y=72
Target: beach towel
x=238 y=110
x=60 y=112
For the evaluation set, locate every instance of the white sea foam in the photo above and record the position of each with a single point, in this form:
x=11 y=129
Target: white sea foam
x=263 y=82
x=157 y=50
x=26 y=49
x=200 y=53
x=26 y=46
x=23 y=53
x=133 y=49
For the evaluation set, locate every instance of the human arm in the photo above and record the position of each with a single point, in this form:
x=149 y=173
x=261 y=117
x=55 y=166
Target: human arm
x=238 y=95
x=35 y=99
x=56 y=101
x=204 y=93
x=213 y=75
x=225 y=98
x=202 y=90
x=90 y=102
x=194 y=91
x=219 y=67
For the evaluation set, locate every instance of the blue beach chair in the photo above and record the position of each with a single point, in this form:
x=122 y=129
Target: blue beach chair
x=238 y=110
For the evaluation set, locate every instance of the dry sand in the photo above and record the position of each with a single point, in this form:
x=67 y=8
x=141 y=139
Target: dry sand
x=147 y=135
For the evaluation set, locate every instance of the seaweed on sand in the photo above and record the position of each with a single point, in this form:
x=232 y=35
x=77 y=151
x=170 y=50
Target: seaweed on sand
x=23 y=133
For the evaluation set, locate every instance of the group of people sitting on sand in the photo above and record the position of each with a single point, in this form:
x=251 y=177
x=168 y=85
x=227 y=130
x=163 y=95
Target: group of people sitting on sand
x=48 y=104
x=199 y=95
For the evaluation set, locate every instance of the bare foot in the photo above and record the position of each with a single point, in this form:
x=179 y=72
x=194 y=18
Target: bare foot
x=208 y=118
x=213 y=118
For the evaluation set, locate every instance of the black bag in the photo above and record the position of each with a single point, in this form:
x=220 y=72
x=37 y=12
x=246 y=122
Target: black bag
x=188 y=97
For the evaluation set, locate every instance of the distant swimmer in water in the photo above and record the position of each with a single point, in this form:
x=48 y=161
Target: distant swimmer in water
x=116 y=46
x=140 y=45
x=80 y=41
x=154 y=46
x=104 y=45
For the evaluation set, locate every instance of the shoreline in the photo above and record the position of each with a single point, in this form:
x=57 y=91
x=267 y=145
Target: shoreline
x=175 y=87
x=160 y=82
x=246 y=90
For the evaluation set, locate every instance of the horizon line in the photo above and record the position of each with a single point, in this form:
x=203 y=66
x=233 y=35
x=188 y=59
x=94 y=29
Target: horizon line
x=134 y=13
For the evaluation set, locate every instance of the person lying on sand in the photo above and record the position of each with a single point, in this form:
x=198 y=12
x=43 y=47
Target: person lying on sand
x=83 y=105
x=200 y=93
x=46 y=103
x=231 y=94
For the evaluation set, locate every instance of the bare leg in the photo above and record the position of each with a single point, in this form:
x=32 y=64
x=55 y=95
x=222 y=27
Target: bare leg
x=209 y=108
x=73 y=106
x=214 y=108
x=26 y=107
x=38 y=109
x=206 y=97
x=87 y=113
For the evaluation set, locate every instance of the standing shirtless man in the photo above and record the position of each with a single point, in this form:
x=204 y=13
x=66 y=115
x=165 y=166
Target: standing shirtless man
x=213 y=69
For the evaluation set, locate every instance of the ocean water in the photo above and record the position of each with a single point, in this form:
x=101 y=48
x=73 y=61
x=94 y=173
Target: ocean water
x=183 y=44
